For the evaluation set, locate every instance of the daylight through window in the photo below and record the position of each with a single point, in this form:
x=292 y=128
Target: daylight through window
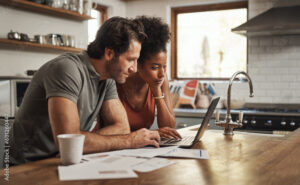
x=206 y=47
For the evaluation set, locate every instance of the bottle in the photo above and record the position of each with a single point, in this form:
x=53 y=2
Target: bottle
x=80 y=6
x=87 y=6
x=73 y=5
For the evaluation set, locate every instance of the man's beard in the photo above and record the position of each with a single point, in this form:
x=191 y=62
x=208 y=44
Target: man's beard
x=115 y=71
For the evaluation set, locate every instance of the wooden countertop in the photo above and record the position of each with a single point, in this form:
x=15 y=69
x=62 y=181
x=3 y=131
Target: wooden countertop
x=242 y=159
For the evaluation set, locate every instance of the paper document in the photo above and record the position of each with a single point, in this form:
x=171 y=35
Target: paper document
x=114 y=160
x=188 y=153
x=111 y=167
x=152 y=164
x=120 y=164
x=94 y=170
x=147 y=152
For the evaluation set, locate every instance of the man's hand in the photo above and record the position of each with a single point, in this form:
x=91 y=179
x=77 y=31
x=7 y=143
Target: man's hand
x=144 y=137
x=169 y=133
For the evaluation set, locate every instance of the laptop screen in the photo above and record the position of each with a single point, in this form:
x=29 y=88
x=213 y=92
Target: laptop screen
x=206 y=118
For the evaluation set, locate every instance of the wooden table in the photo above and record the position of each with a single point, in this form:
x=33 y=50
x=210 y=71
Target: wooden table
x=242 y=159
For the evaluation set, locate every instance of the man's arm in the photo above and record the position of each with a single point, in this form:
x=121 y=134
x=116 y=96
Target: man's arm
x=114 y=118
x=64 y=119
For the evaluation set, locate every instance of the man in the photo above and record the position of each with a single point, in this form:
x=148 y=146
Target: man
x=67 y=93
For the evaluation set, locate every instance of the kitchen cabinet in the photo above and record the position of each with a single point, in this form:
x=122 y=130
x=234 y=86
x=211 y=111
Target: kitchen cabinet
x=44 y=9
x=191 y=121
x=191 y=117
x=186 y=119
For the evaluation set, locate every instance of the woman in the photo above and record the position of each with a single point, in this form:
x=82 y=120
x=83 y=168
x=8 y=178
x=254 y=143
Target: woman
x=149 y=87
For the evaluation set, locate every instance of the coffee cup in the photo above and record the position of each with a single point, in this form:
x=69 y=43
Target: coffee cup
x=70 y=148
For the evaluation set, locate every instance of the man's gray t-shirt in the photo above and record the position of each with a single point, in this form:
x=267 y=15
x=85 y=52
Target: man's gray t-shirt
x=71 y=76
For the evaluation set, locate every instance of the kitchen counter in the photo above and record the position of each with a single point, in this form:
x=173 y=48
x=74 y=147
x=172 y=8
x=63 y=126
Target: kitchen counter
x=243 y=159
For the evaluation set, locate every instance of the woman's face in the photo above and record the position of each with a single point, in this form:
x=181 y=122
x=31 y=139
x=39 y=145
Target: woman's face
x=154 y=68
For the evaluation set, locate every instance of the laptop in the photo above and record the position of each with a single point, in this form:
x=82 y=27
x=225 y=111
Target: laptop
x=188 y=141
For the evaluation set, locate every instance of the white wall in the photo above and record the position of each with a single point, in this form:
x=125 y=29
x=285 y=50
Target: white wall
x=115 y=7
x=15 y=61
x=162 y=8
x=273 y=61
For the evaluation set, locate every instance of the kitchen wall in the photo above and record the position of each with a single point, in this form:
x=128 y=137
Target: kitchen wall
x=15 y=62
x=162 y=8
x=273 y=62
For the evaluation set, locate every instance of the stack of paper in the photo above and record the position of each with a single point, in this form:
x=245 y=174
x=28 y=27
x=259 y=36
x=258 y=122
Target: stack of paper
x=111 y=167
x=120 y=164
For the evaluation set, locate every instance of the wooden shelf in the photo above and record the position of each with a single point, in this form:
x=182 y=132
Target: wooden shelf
x=36 y=46
x=44 y=9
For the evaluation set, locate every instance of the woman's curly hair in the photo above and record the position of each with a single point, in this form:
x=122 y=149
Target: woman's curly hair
x=158 y=35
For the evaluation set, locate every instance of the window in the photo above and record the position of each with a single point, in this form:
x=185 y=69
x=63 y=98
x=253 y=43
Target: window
x=99 y=13
x=203 y=45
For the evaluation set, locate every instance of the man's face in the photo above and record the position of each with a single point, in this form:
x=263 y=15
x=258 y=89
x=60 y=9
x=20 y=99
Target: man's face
x=120 y=68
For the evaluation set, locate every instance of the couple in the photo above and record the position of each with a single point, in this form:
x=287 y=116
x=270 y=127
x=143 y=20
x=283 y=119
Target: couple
x=69 y=92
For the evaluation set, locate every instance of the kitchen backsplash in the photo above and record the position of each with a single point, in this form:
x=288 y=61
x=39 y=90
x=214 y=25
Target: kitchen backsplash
x=274 y=61
x=273 y=64
x=274 y=67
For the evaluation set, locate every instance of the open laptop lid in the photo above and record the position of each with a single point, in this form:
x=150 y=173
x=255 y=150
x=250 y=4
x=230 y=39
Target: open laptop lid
x=201 y=129
x=206 y=119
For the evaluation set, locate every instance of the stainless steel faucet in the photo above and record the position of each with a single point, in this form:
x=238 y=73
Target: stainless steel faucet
x=228 y=124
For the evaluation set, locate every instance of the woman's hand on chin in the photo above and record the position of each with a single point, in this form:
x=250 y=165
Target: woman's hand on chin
x=156 y=88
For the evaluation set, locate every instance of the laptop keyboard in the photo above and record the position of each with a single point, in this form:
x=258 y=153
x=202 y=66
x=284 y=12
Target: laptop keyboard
x=184 y=141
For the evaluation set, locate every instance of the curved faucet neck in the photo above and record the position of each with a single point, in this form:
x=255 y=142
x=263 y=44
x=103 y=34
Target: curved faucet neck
x=229 y=89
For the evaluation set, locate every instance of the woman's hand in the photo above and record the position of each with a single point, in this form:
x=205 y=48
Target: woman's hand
x=155 y=87
x=169 y=133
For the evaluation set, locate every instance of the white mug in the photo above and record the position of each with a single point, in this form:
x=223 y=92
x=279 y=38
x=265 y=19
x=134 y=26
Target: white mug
x=70 y=148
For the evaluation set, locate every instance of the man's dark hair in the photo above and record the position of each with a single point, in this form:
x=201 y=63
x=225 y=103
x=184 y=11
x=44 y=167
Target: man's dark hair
x=116 y=33
x=158 y=35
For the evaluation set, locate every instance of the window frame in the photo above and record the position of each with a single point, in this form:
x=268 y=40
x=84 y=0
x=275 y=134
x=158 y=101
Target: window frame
x=103 y=11
x=192 y=9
